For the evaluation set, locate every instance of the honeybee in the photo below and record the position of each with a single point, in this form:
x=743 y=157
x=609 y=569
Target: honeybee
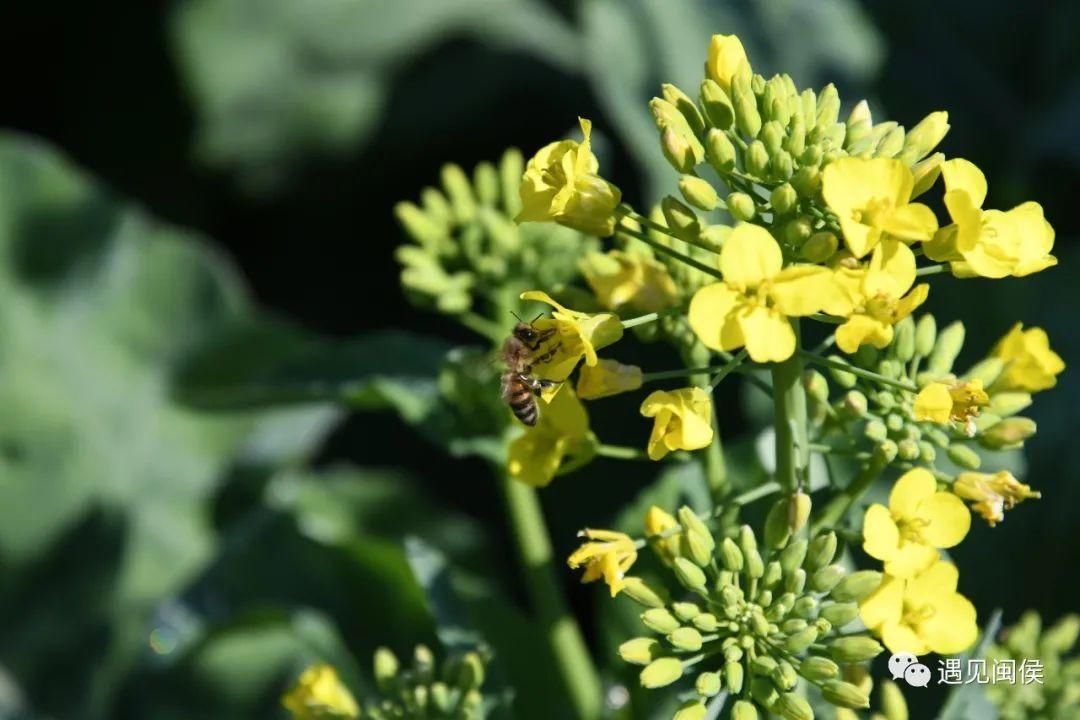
x=519 y=387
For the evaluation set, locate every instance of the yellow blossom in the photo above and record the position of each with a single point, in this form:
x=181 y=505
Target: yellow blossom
x=561 y=433
x=320 y=695
x=561 y=184
x=683 y=420
x=1030 y=364
x=726 y=56
x=988 y=243
x=660 y=527
x=958 y=401
x=578 y=335
x=872 y=200
x=921 y=615
x=607 y=378
x=606 y=555
x=872 y=297
x=629 y=279
x=992 y=495
x=752 y=304
x=919 y=519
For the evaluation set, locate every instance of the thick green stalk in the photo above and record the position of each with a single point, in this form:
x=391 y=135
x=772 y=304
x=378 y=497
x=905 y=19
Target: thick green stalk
x=575 y=666
x=789 y=416
x=839 y=505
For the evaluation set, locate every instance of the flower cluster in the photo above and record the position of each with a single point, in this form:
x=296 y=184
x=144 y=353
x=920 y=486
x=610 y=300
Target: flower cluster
x=421 y=691
x=750 y=620
x=1056 y=693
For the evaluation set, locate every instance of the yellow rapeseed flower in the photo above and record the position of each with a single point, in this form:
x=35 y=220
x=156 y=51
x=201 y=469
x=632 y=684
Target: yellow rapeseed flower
x=958 y=402
x=919 y=519
x=921 y=615
x=578 y=335
x=561 y=185
x=752 y=304
x=874 y=296
x=872 y=200
x=606 y=378
x=320 y=695
x=992 y=494
x=1030 y=364
x=660 y=527
x=726 y=56
x=606 y=555
x=629 y=279
x=988 y=243
x=561 y=434
x=682 y=420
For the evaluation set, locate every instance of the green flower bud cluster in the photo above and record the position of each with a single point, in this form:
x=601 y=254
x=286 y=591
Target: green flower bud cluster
x=466 y=248
x=878 y=408
x=752 y=621
x=425 y=690
x=1057 y=695
x=770 y=133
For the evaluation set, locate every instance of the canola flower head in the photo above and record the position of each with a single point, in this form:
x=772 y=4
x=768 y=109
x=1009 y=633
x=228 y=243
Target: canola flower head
x=991 y=495
x=957 y=402
x=752 y=306
x=578 y=336
x=1030 y=364
x=561 y=185
x=560 y=436
x=682 y=420
x=606 y=555
x=319 y=694
x=923 y=613
x=920 y=519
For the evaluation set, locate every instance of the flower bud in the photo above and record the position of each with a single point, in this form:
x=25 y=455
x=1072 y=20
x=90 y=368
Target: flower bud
x=660 y=620
x=386 y=668
x=720 y=151
x=797 y=231
x=772 y=135
x=690 y=575
x=891 y=143
x=784 y=199
x=965 y=457
x=783 y=165
x=826 y=578
x=744 y=710
x=885 y=452
x=745 y=103
x=796 y=581
x=792 y=706
x=662 y=672
x=855 y=587
x=685 y=611
x=640 y=592
x=741 y=206
x=706 y=622
x=699 y=541
x=699 y=192
x=684 y=105
x=785 y=676
x=708 y=684
x=908 y=449
x=690 y=710
x=924 y=137
x=855 y=404
x=925 y=335
x=1005 y=404
x=893 y=705
x=854 y=649
x=799 y=506
x=795 y=142
x=927 y=453
x=756 y=159
x=805 y=607
x=763 y=665
x=801 y=640
x=681 y=146
x=903 y=346
x=828 y=106
x=987 y=371
x=842 y=377
x=948 y=345
x=777 y=529
x=819 y=247
x=755 y=567
x=680 y=219
x=730 y=555
x=792 y=557
x=641 y=651
x=686 y=639
x=817 y=669
x=821 y=551
x=1009 y=433
x=843 y=694
x=717 y=105
x=734 y=676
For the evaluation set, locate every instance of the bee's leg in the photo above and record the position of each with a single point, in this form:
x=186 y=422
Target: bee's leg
x=541 y=338
x=547 y=355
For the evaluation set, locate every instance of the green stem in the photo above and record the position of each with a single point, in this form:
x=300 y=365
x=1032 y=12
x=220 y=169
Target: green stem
x=732 y=365
x=857 y=371
x=626 y=211
x=651 y=317
x=665 y=250
x=757 y=493
x=574 y=665
x=931 y=270
x=789 y=416
x=621 y=453
x=839 y=505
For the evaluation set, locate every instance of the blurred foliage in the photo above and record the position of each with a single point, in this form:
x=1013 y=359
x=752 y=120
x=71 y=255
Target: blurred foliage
x=162 y=558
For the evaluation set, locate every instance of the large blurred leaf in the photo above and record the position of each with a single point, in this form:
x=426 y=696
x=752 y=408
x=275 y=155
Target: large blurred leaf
x=275 y=80
x=104 y=477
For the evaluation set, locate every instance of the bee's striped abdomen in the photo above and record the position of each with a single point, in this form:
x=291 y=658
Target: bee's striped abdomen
x=522 y=403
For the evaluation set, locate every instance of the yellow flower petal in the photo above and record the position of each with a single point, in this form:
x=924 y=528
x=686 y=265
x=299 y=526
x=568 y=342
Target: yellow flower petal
x=910 y=559
x=933 y=404
x=682 y=420
x=946 y=519
x=709 y=310
x=318 y=693
x=800 y=290
x=899 y=638
x=964 y=176
x=750 y=256
x=891 y=271
x=885 y=605
x=768 y=334
x=862 y=329
x=913 y=222
x=607 y=378
x=952 y=628
x=1031 y=365
x=939 y=580
x=912 y=488
x=881 y=537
